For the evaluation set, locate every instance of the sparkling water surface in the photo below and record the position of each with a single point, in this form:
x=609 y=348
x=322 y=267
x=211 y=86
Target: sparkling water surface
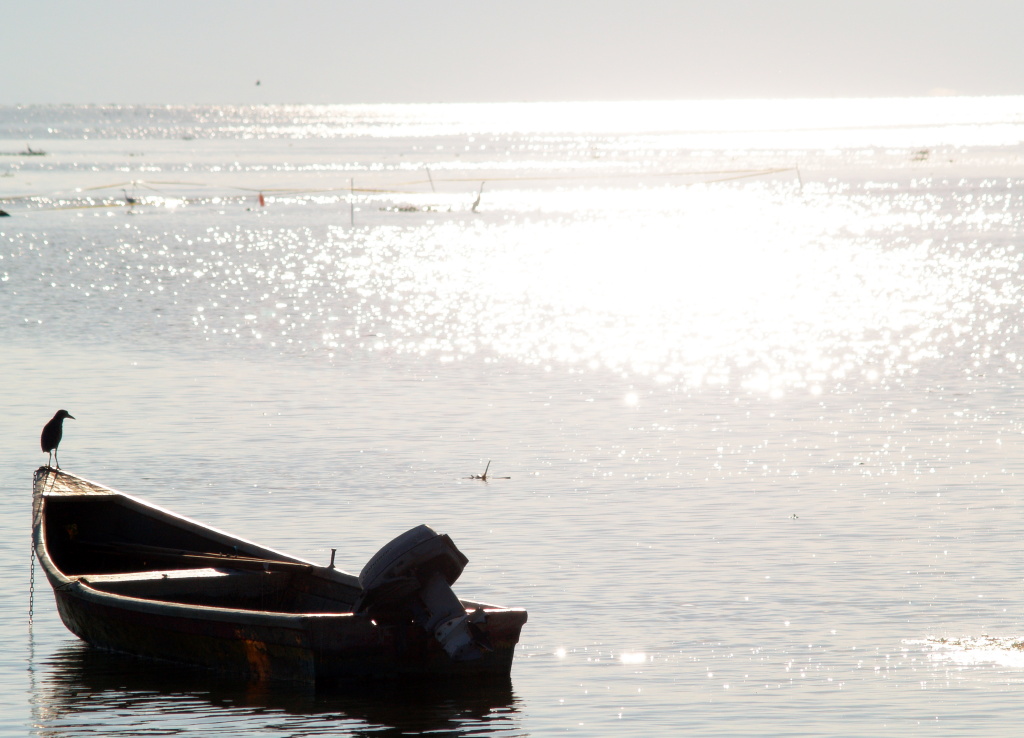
x=752 y=369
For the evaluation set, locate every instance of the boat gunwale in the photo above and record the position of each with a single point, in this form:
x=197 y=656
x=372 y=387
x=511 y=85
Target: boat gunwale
x=76 y=585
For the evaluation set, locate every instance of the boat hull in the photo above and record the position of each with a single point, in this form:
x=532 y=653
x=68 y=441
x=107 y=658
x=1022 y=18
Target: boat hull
x=314 y=650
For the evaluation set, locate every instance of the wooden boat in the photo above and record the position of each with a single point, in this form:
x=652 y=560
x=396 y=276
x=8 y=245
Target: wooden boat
x=131 y=577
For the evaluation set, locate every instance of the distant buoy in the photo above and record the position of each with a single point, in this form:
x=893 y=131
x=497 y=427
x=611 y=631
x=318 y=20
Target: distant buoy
x=262 y=201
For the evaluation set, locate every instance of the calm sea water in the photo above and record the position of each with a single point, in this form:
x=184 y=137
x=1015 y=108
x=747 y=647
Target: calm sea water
x=752 y=371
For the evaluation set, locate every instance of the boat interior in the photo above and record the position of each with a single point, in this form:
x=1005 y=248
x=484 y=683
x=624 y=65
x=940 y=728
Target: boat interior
x=115 y=545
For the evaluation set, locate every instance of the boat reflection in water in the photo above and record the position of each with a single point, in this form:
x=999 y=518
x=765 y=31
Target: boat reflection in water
x=85 y=691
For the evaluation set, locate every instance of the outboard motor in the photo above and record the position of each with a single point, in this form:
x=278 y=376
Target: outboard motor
x=411 y=578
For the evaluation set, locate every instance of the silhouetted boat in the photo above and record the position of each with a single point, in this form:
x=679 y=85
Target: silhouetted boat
x=131 y=577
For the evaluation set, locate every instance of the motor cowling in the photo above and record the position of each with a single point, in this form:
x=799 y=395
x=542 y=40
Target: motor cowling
x=411 y=578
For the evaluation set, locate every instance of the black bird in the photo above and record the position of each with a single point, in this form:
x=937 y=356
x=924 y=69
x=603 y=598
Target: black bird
x=52 y=432
x=129 y=200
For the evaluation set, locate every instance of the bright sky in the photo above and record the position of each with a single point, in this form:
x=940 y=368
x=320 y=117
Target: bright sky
x=343 y=51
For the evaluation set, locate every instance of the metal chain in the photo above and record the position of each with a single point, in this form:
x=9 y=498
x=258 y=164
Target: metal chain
x=37 y=512
x=32 y=585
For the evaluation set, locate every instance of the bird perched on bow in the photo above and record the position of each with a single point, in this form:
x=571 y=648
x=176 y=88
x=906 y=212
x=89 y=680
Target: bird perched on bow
x=52 y=433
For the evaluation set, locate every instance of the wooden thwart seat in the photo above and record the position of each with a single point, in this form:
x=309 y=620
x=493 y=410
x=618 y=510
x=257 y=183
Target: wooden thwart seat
x=216 y=587
x=139 y=576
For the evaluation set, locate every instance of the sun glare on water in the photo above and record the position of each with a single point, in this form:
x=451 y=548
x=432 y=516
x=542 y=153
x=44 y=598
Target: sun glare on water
x=773 y=290
x=607 y=242
x=766 y=287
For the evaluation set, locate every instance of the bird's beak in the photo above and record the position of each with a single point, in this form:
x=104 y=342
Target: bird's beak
x=73 y=417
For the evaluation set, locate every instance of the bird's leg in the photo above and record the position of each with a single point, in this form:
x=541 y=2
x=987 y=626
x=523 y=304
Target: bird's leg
x=55 y=458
